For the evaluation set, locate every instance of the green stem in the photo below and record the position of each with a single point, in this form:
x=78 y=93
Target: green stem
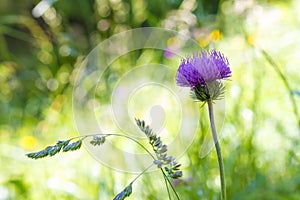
x=134 y=140
x=118 y=135
x=218 y=149
x=166 y=183
x=138 y=176
x=177 y=196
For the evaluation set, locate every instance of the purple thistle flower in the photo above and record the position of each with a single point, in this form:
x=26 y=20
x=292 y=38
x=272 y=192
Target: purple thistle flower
x=206 y=66
x=202 y=73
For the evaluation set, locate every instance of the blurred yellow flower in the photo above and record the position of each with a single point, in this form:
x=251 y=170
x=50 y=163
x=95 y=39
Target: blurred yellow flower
x=251 y=39
x=215 y=35
x=28 y=142
x=206 y=38
x=173 y=40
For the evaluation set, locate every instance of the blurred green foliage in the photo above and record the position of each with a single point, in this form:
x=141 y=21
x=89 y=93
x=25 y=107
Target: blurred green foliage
x=39 y=60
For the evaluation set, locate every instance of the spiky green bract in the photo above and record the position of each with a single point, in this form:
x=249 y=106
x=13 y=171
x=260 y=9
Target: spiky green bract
x=212 y=90
x=160 y=149
x=125 y=193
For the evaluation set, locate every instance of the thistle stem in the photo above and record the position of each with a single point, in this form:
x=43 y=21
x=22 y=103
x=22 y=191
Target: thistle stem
x=218 y=149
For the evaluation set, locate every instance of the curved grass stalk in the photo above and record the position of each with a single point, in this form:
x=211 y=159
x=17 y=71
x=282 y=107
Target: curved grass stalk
x=141 y=145
x=281 y=75
x=285 y=82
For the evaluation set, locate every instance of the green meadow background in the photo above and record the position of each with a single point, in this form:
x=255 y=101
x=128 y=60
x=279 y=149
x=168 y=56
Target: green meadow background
x=40 y=58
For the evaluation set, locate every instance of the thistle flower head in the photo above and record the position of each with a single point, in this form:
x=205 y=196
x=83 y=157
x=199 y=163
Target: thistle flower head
x=202 y=73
